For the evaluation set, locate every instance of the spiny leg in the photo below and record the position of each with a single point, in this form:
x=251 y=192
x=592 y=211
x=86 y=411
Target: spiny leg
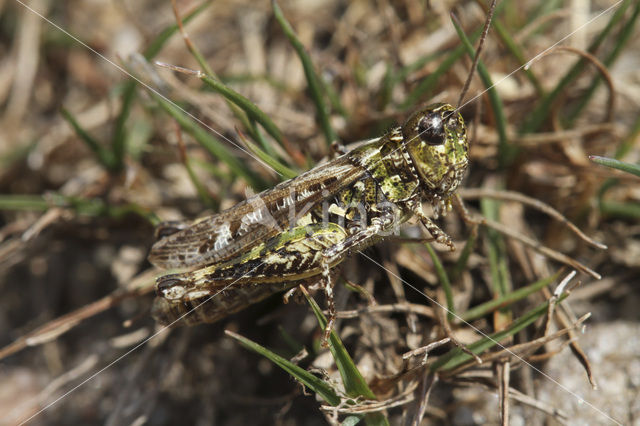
x=334 y=254
x=331 y=305
x=437 y=233
x=465 y=213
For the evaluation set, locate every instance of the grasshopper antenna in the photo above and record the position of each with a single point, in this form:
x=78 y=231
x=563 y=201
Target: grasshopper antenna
x=485 y=30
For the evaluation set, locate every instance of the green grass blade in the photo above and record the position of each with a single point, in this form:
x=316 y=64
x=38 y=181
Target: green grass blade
x=105 y=157
x=80 y=206
x=506 y=152
x=199 y=57
x=246 y=105
x=240 y=78
x=517 y=53
x=24 y=202
x=354 y=383
x=211 y=144
x=498 y=263
x=621 y=41
x=284 y=171
x=628 y=142
x=497 y=251
x=430 y=82
x=159 y=42
x=457 y=357
x=634 y=169
x=237 y=111
x=119 y=140
x=508 y=299
x=319 y=386
x=461 y=263
x=618 y=209
x=541 y=112
x=444 y=281
x=614 y=208
x=313 y=80
x=256 y=134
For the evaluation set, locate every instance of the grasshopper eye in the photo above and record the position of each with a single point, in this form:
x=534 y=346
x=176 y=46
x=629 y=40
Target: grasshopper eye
x=431 y=129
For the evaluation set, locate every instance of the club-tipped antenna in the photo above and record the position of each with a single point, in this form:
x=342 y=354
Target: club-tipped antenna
x=476 y=57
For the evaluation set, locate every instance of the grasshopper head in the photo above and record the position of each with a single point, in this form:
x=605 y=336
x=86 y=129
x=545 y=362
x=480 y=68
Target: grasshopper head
x=436 y=140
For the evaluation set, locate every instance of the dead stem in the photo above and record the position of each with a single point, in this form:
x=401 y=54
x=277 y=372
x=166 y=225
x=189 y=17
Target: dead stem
x=537 y=246
x=414 y=308
x=560 y=289
x=601 y=68
x=53 y=388
x=143 y=284
x=516 y=395
x=444 y=323
x=476 y=57
x=427 y=384
x=475 y=193
x=516 y=353
x=534 y=140
x=424 y=350
x=504 y=373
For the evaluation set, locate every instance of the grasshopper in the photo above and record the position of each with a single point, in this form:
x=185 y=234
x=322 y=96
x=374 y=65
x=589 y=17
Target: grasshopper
x=303 y=228
x=300 y=231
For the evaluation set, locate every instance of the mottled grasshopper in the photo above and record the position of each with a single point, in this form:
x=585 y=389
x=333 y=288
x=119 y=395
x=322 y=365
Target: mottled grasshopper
x=300 y=231
x=297 y=232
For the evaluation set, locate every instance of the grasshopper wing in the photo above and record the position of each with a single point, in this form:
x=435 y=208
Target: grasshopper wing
x=235 y=231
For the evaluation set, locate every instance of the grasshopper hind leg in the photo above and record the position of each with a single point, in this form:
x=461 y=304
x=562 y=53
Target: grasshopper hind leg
x=327 y=285
x=214 y=305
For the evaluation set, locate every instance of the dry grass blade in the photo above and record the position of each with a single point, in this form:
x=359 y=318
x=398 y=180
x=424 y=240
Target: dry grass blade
x=427 y=384
x=53 y=329
x=444 y=323
x=504 y=374
x=602 y=69
x=558 y=415
x=519 y=352
x=537 y=246
x=476 y=58
x=413 y=308
x=364 y=407
x=475 y=193
x=52 y=389
x=535 y=140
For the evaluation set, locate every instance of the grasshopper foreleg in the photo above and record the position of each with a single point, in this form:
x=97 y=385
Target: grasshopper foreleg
x=437 y=233
x=465 y=213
